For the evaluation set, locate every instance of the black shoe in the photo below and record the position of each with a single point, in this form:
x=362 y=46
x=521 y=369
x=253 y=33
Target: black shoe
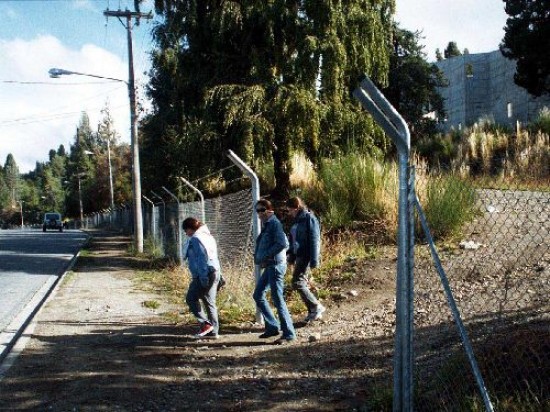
x=212 y=335
x=269 y=334
x=284 y=341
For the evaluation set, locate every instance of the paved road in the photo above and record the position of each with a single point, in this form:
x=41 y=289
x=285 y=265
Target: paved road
x=30 y=264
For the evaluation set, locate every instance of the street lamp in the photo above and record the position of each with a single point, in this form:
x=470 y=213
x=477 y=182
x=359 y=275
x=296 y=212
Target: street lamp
x=79 y=176
x=21 y=210
x=136 y=177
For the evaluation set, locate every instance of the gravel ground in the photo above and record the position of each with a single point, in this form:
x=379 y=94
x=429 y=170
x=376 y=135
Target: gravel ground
x=96 y=347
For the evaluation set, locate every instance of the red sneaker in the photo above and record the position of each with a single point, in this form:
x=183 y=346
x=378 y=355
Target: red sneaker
x=205 y=329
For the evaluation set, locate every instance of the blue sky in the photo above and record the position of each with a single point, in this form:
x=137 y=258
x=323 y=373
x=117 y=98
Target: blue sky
x=38 y=113
x=473 y=24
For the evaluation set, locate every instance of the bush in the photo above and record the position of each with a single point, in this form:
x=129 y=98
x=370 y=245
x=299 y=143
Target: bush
x=355 y=188
x=542 y=122
x=449 y=203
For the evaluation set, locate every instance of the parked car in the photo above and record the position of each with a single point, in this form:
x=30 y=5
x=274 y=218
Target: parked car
x=52 y=220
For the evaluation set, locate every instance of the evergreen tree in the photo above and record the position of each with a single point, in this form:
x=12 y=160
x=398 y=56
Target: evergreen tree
x=4 y=193
x=120 y=163
x=451 y=50
x=527 y=40
x=413 y=84
x=81 y=168
x=263 y=79
x=12 y=179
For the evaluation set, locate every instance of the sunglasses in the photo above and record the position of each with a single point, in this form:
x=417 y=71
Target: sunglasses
x=261 y=209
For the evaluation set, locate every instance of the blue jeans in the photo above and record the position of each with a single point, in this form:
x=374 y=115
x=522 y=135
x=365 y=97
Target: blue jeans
x=195 y=294
x=300 y=283
x=273 y=278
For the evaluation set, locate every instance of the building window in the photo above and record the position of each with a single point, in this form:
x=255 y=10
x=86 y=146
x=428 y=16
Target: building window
x=469 y=71
x=509 y=110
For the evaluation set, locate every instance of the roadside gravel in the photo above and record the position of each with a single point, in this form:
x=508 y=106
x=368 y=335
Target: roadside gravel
x=96 y=347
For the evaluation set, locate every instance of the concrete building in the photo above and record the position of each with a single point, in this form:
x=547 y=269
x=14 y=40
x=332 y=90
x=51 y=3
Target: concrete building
x=482 y=86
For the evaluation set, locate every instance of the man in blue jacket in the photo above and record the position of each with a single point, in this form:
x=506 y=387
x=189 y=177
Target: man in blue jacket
x=305 y=246
x=270 y=254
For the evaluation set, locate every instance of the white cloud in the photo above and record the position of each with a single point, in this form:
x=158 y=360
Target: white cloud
x=84 y=5
x=35 y=118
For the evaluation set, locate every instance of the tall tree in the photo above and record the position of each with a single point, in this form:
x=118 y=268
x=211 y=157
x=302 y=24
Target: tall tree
x=451 y=50
x=113 y=164
x=413 y=83
x=4 y=193
x=527 y=40
x=81 y=168
x=12 y=179
x=262 y=78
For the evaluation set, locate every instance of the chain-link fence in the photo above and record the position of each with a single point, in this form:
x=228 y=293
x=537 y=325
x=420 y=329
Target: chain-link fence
x=494 y=248
x=497 y=262
x=228 y=217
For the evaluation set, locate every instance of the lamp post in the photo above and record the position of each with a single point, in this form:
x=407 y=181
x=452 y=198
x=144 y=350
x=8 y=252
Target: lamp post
x=79 y=176
x=21 y=210
x=136 y=176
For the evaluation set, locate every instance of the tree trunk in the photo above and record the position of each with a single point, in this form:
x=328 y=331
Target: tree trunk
x=281 y=166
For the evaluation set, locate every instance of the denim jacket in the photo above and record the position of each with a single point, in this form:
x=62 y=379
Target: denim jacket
x=271 y=244
x=305 y=239
x=198 y=259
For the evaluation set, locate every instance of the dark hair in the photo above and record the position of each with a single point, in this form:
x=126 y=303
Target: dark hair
x=295 y=203
x=265 y=203
x=191 y=223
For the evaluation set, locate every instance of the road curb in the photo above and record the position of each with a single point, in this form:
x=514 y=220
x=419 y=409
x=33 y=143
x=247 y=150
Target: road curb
x=19 y=331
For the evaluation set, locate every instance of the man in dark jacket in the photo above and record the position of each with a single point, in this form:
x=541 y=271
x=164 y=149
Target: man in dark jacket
x=305 y=246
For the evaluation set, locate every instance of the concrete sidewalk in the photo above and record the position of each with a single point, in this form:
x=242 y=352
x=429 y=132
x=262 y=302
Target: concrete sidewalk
x=97 y=298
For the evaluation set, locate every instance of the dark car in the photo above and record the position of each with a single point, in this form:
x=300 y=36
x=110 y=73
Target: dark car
x=52 y=221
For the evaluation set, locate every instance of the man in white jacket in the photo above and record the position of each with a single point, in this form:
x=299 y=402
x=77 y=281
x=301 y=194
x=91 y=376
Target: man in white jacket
x=201 y=253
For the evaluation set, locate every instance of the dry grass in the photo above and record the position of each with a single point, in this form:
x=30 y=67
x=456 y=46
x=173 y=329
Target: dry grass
x=523 y=155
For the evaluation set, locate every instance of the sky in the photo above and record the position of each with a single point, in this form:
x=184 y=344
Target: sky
x=38 y=114
x=476 y=25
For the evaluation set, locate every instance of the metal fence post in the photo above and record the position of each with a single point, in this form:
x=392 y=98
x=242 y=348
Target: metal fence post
x=256 y=227
x=203 y=212
x=393 y=124
x=178 y=226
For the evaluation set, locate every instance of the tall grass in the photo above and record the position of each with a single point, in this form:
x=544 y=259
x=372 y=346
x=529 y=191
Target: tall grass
x=497 y=154
x=355 y=188
x=449 y=203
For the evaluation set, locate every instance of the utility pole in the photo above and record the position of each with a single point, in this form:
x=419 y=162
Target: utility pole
x=136 y=174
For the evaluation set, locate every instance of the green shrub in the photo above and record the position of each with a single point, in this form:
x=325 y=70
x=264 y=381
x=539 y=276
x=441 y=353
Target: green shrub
x=542 y=122
x=449 y=203
x=354 y=188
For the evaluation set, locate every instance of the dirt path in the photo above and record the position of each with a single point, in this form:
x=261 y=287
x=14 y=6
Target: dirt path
x=95 y=347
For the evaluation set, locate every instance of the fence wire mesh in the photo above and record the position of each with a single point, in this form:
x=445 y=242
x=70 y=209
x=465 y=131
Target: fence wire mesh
x=494 y=245
x=498 y=267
